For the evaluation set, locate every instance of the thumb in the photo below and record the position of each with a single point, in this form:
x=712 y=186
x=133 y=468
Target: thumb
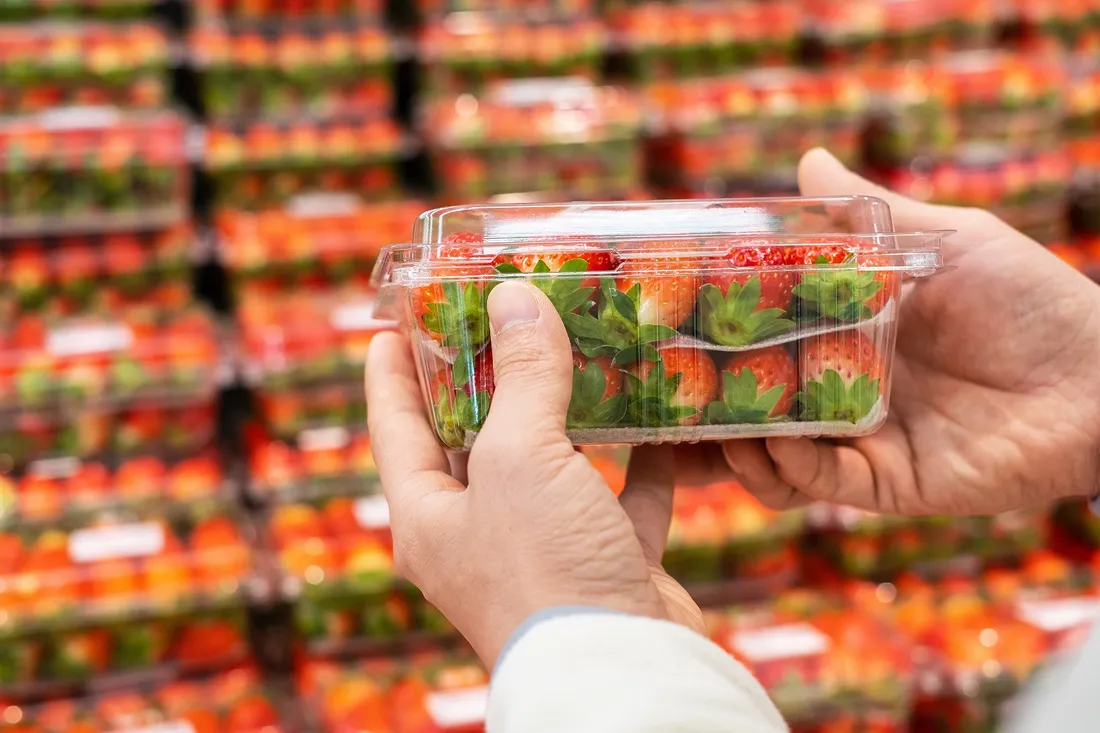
x=532 y=367
x=821 y=174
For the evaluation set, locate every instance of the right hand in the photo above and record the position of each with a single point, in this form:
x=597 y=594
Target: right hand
x=996 y=390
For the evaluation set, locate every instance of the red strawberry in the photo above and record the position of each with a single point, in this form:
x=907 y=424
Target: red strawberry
x=661 y=295
x=452 y=311
x=585 y=258
x=461 y=395
x=597 y=399
x=841 y=376
x=743 y=308
x=856 y=291
x=673 y=389
x=757 y=386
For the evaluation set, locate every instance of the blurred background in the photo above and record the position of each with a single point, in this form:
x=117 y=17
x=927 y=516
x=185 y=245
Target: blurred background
x=192 y=195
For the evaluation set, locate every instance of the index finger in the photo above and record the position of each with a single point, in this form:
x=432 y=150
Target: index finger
x=411 y=462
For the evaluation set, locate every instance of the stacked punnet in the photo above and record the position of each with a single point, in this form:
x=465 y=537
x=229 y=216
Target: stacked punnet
x=688 y=320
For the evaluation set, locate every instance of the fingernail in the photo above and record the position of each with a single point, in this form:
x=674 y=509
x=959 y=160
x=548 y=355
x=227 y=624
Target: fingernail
x=512 y=304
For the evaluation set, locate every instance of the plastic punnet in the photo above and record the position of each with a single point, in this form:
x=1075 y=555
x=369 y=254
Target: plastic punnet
x=697 y=320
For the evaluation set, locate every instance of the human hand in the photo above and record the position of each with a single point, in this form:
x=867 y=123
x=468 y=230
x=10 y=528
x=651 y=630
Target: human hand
x=995 y=402
x=534 y=525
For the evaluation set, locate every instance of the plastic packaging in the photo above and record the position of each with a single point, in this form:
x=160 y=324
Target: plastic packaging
x=302 y=72
x=62 y=491
x=465 y=52
x=705 y=39
x=269 y=165
x=316 y=463
x=78 y=274
x=91 y=169
x=122 y=595
x=335 y=563
x=54 y=64
x=315 y=242
x=684 y=290
x=234 y=700
x=560 y=135
x=107 y=362
x=303 y=339
x=751 y=125
x=721 y=533
x=109 y=434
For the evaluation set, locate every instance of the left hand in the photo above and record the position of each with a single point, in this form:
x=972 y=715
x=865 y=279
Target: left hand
x=533 y=525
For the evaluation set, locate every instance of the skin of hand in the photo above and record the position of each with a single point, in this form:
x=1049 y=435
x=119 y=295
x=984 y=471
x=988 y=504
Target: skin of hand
x=995 y=402
x=533 y=525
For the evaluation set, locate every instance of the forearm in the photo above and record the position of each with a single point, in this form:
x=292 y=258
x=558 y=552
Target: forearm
x=610 y=673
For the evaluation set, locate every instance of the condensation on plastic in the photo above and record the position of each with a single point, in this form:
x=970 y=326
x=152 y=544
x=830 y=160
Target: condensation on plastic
x=692 y=338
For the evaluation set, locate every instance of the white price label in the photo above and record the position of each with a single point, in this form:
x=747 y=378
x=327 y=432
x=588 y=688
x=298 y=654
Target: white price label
x=312 y=205
x=1059 y=614
x=358 y=316
x=89 y=339
x=372 y=512
x=171 y=726
x=333 y=438
x=112 y=543
x=78 y=118
x=779 y=642
x=568 y=91
x=55 y=467
x=459 y=708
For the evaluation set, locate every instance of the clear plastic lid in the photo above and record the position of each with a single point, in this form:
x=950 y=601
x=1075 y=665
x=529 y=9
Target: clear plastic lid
x=63 y=491
x=275 y=147
x=97 y=361
x=118 y=565
x=234 y=700
x=315 y=463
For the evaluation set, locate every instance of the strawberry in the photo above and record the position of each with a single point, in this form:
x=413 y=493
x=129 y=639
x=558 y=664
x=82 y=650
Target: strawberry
x=597 y=400
x=452 y=311
x=845 y=286
x=638 y=308
x=841 y=377
x=461 y=396
x=757 y=386
x=672 y=389
x=743 y=309
x=569 y=293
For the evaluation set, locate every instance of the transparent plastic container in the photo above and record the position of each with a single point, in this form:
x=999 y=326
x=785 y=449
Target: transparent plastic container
x=122 y=596
x=559 y=135
x=315 y=242
x=235 y=700
x=55 y=64
x=112 y=434
x=105 y=274
x=90 y=169
x=464 y=53
x=267 y=165
x=669 y=41
x=720 y=534
x=315 y=463
x=115 y=362
x=302 y=72
x=658 y=298
x=306 y=339
x=60 y=492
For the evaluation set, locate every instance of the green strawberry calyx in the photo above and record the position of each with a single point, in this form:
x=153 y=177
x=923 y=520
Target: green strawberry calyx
x=651 y=400
x=735 y=319
x=742 y=401
x=456 y=413
x=615 y=332
x=460 y=318
x=839 y=292
x=830 y=400
x=562 y=291
x=587 y=408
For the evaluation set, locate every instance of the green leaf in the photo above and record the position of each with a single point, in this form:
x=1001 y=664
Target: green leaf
x=767 y=401
x=746 y=301
x=582 y=326
x=507 y=268
x=452 y=293
x=625 y=306
x=574 y=299
x=629 y=355
x=541 y=268
x=595 y=382
x=462 y=369
x=431 y=323
x=594 y=348
x=481 y=407
x=650 y=332
x=711 y=297
x=610 y=411
x=679 y=412
x=577 y=265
